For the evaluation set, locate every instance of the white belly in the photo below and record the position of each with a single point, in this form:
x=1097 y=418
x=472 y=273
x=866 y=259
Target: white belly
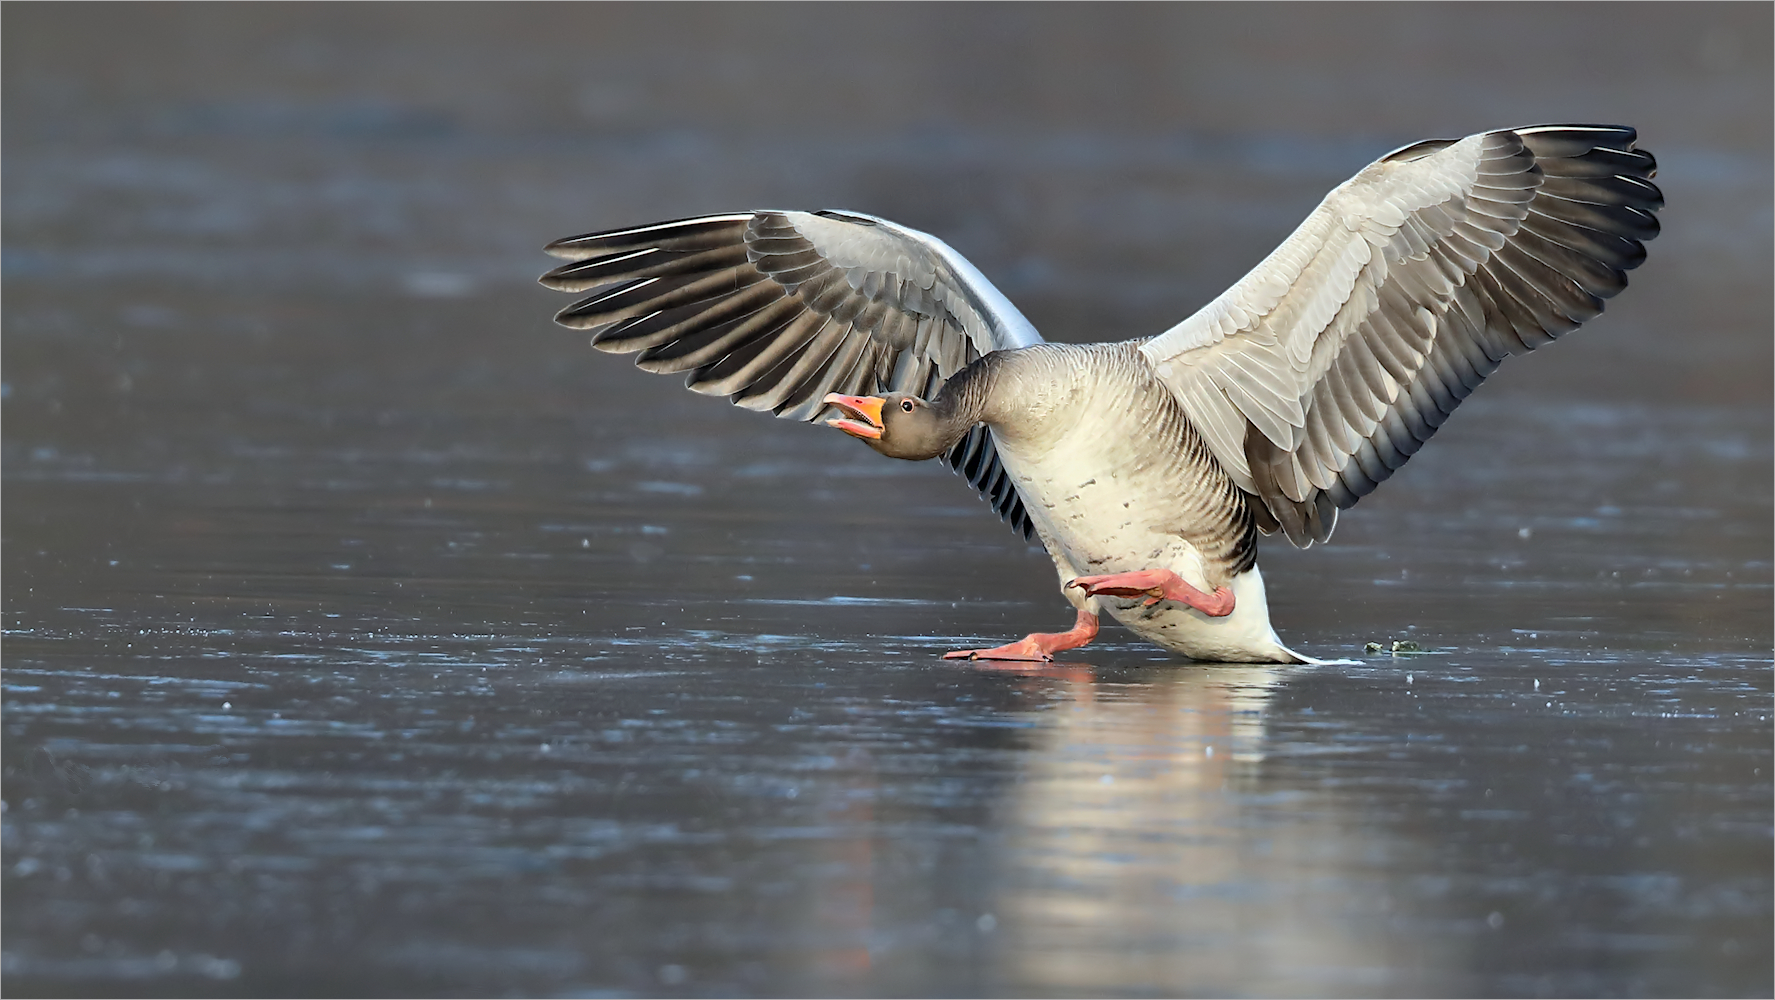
x=1099 y=509
x=1245 y=636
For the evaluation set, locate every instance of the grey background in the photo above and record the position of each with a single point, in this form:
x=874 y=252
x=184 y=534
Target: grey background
x=367 y=634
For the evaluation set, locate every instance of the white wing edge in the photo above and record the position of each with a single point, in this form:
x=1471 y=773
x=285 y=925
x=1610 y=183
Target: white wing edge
x=1009 y=327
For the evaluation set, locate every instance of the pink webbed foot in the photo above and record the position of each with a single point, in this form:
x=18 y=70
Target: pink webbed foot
x=1037 y=646
x=1158 y=585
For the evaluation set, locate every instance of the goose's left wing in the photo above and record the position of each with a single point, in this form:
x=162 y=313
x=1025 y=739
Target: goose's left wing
x=1320 y=372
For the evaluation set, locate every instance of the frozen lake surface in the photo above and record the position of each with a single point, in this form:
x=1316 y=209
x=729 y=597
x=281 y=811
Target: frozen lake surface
x=365 y=635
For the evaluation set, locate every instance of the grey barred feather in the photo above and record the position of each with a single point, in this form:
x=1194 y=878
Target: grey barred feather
x=1321 y=372
x=776 y=309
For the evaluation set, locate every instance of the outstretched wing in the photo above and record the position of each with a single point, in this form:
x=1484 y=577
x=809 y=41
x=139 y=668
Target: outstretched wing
x=1320 y=372
x=776 y=309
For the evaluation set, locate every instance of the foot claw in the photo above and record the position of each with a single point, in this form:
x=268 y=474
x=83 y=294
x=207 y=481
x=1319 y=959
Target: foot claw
x=1147 y=583
x=1008 y=652
x=1157 y=585
x=1038 y=647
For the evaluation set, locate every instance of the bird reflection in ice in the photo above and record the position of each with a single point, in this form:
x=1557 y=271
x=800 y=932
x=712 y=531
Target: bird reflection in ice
x=1146 y=851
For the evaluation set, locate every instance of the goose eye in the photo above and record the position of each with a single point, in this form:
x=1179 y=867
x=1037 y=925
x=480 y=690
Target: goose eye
x=906 y=404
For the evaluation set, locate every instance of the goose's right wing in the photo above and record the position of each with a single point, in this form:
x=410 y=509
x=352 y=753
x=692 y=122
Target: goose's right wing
x=776 y=309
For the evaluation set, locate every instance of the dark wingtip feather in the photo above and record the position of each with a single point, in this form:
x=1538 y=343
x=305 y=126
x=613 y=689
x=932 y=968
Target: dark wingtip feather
x=699 y=233
x=1576 y=139
x=975 y=459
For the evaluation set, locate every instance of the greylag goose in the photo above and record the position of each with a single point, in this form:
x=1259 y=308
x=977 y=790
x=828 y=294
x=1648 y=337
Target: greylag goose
x=1149 y=467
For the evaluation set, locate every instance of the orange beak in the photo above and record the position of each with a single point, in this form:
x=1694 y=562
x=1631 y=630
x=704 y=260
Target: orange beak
x=865 y=408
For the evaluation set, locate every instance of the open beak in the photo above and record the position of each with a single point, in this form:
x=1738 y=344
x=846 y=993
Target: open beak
x=866 y=410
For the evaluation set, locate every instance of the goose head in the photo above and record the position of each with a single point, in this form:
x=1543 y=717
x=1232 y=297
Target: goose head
x=897 y=424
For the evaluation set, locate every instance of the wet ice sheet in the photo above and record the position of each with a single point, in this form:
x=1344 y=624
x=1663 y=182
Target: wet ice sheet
x=776 y=814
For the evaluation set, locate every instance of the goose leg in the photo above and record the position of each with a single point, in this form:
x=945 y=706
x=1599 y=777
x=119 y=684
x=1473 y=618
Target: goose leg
x=1158 y=585
x=1036 y=645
